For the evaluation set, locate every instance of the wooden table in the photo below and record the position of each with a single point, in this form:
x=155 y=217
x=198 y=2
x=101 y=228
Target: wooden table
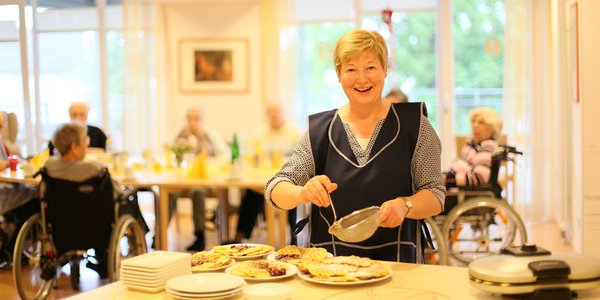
x=409 y=281
x=173 y=180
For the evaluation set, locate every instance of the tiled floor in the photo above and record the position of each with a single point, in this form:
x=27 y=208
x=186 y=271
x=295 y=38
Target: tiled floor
x=544 y=234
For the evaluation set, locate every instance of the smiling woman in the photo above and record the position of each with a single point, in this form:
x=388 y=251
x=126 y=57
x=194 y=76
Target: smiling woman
x=357 y=153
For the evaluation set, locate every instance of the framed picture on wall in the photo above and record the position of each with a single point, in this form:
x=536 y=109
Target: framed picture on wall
x=213 y=65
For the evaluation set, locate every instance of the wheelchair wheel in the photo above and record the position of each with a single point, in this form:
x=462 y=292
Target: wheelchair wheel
x=127 y=240
x=439 y=255
x=34 y=268
x=479 y=227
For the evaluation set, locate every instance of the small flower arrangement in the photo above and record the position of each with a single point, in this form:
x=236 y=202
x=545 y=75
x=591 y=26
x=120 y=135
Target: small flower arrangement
x=179 y=150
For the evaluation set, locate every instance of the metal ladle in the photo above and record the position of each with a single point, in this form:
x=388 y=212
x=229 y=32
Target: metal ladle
x=357 y=226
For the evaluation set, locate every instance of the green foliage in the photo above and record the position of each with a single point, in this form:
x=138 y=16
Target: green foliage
x=474 y=23
x=478 y=74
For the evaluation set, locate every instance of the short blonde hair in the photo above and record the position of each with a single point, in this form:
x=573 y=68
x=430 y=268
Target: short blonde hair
x=356 y=42
x=68 y=134
x=490 y=117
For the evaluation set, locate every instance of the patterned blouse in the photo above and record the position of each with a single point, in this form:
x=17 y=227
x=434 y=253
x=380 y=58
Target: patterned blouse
x=425 y=166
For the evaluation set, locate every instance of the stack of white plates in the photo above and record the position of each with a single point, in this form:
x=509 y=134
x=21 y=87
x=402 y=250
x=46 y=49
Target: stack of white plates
x=149 y=272
x=205 y=285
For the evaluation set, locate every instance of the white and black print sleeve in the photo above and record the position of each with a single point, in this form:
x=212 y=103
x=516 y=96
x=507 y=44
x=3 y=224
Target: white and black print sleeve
x=299 y=169
x=426 y=162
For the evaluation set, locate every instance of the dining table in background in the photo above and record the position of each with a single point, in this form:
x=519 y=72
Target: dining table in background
x=168 y=180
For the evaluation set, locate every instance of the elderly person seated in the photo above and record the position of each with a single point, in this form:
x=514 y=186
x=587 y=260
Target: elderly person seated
x=198 y=137
x=16 y=204
x=78 y=112
x=473 y=166
x=71 y=142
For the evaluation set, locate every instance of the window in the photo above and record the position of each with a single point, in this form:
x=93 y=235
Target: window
x=69 y=65
x=69 y=72
x=478 y=31
x=317 y=87
x=115 y=54
x=412 y=56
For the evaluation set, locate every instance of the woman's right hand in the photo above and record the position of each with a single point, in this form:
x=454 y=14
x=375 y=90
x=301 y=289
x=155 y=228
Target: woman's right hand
x=316 y=190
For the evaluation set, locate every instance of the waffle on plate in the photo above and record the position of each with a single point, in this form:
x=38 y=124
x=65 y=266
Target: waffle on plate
x=243 y=250
x=207 y=260
x=259 y=269
x=295 y=255
x=344 y=269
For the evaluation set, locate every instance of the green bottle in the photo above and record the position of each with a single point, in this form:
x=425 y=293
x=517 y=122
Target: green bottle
x=235 y=150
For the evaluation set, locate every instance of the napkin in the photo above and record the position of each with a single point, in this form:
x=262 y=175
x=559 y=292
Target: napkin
x=197 y=169
x=39 y=159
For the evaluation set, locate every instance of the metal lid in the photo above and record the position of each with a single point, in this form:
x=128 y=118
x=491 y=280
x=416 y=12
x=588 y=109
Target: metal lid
x=513 y=269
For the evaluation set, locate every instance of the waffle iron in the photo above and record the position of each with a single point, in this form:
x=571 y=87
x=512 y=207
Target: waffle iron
x=535 y=273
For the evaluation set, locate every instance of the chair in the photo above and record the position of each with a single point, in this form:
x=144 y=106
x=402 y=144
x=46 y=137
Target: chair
x=74 y=217
x=10 y=131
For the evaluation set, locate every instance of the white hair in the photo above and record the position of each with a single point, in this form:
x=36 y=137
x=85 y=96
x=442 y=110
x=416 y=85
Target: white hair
x=490 y=117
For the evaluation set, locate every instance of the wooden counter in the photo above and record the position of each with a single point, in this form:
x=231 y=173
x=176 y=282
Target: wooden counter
x=409 y=281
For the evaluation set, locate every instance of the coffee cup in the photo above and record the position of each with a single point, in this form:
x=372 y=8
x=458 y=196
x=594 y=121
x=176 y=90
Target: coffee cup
x=13 y=160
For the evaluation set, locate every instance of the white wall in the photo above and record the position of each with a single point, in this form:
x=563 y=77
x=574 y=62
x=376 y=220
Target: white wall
x=587 y=213
x=227 y=112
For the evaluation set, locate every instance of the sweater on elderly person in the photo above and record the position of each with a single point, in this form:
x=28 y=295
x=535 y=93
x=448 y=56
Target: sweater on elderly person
x=13 y=195
x=77 y=171
x=473 y=167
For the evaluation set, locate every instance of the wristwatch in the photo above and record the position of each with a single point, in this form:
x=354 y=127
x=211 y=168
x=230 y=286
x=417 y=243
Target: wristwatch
x=408 y=204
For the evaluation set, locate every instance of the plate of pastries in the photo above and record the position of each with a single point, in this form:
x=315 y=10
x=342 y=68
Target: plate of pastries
x=244 y=251
x=262 y=270
x=294 y=255
x=343 y=270
x=208 y=261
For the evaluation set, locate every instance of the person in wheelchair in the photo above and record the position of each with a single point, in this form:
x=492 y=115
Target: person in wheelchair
x=16 y=205
x=473 y=166
x=71 y=142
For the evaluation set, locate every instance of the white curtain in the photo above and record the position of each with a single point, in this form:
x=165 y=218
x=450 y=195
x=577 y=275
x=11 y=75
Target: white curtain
x=517 y=95
x=144 y=76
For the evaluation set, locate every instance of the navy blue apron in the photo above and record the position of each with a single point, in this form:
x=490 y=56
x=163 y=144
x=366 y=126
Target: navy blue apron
x=385 y=176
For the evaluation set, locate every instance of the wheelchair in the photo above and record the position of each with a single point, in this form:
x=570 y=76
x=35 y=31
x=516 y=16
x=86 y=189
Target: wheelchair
x=481 y=223
x=74 y=217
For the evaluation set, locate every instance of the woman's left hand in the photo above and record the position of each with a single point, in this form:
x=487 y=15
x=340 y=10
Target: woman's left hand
x=392 y=213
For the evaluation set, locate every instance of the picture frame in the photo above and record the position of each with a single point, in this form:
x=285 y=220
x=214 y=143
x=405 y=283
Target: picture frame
x=213 y=65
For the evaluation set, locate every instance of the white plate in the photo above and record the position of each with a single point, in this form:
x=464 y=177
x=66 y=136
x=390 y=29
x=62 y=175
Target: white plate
x=203 y=295
x=205 y=283
x=215 y=269
x=156 y=260
x=211 y=297
x=144 y=289
x=239 y=257
x=291 y=271
x=149 y=278
x=310 y=279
